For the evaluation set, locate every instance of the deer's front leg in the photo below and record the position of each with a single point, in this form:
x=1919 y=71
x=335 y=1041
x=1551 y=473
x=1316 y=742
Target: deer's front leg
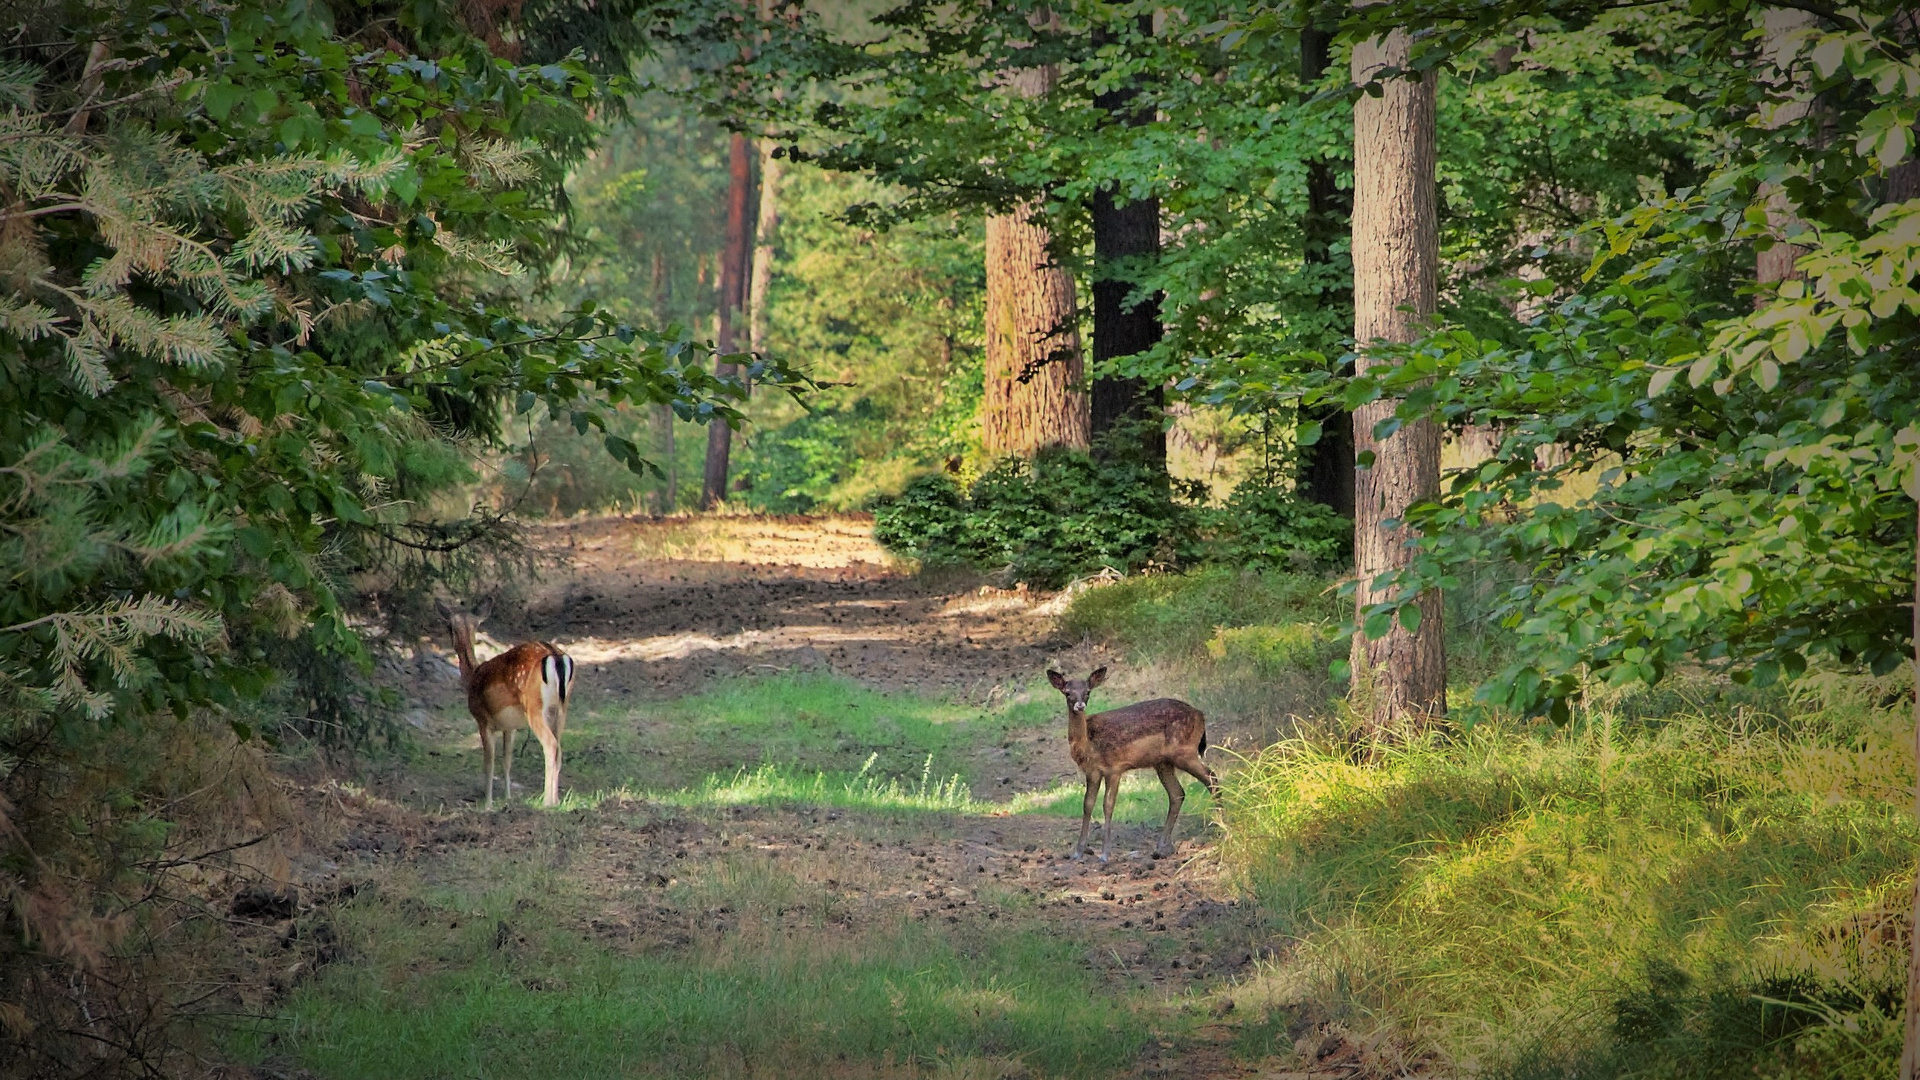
x=1113 y=789
x=1086 y=815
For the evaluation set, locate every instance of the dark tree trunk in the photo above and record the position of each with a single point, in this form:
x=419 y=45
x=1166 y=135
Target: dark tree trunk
x=1910 y=1050
x=1126 y=242
x=1326 y=474
x=1395 y=269
x=733 y=278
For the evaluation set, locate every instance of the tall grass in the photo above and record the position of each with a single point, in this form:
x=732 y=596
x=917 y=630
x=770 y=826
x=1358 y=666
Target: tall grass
x=1651 y=898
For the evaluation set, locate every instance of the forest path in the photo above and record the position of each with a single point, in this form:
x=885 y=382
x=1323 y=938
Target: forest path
x=940 y=934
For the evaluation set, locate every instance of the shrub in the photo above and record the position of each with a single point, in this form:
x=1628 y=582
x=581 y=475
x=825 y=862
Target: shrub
x=1268 y=528
x=1047 y=520
x=792 y=469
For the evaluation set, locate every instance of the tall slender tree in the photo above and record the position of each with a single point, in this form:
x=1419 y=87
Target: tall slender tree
x=766 y=224
x=1327 y=465
x=1032 y=396
x=1781 y=28
x=1126 y=240
x=1395 y=267
x=733 y=275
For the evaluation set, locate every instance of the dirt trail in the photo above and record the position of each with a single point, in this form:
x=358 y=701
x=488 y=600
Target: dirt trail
x=656 y=610
x=661 y=607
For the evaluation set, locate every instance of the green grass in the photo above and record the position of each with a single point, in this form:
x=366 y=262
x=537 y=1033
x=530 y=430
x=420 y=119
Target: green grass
x=1178 y=614
x=803 y=724
x=433 y=993
x=1548 y=892
x=772 y=785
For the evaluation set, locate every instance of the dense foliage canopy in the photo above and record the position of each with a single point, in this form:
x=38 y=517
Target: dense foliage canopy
x=266 y=270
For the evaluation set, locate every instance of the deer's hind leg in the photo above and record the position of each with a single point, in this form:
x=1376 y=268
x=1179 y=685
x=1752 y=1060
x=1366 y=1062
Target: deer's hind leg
x=1176 y=794
x=486 y=758
x=1194 y=765
x=1086 y=815
x=506 y=753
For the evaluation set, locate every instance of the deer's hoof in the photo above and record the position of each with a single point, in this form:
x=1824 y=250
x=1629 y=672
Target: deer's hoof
x=1076 y=856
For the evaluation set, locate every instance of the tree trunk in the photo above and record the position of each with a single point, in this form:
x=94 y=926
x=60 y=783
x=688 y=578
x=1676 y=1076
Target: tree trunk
x=1778 y=25
x=1326 y=474
x=733 y=273
x=1126 y=242
x=1032 y=397
x=1395 y=265
x=766 y=222
x=1910 y=1052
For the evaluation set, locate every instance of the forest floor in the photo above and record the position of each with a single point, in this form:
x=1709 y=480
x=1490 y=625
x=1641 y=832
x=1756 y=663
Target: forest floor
x=816 y=822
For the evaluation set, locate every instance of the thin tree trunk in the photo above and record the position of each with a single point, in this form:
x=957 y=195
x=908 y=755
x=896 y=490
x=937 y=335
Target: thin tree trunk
x=1779 y=25
x=733 y=273
x=1395 y=265
x=1327 y=466
x=1910 y=1052
x=672 y=500
x=766 y=223
x=1032 y=397
x=1126 y=240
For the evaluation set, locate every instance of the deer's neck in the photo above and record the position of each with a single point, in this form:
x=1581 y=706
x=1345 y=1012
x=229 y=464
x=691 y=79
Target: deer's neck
x=463 y=648
x=1076 y=726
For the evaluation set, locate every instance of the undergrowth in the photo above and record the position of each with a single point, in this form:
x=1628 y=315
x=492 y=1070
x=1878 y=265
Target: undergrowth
x=1066 y=514
x=1712 y=892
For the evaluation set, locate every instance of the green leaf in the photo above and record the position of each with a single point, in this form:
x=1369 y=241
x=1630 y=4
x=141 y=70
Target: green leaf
x=1410 y=618
x=221 y=98
x=1307 y=433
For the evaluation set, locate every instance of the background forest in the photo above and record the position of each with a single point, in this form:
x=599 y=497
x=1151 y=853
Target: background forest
x=1500 y=418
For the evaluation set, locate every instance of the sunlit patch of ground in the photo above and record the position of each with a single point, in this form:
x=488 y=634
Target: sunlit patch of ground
x=815 y=821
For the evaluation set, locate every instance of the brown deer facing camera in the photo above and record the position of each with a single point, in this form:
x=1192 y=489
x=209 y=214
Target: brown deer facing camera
x=525 y=687
x=1164 y=735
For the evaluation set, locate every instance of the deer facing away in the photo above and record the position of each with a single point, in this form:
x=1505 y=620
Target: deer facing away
x=525 y=687
x=1164 y=735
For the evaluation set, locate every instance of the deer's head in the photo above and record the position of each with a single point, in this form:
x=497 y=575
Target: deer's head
x=463 y=623
x=1077 y=690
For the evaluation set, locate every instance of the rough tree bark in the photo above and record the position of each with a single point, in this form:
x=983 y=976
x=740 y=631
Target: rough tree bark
x=1327 y=466
x=1125 y=238
x=733 y=273
x=1395 y=265
x=1032 y=397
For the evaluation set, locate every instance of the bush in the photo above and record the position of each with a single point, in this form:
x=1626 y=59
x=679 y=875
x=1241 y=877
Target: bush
x=1267 y=528
x=793 y=469
x=1048 y=520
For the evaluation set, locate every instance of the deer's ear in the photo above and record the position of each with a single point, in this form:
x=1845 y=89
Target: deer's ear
x=1058 y=680
x=485 y=612
x=440 y=605
x=1099 y=676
